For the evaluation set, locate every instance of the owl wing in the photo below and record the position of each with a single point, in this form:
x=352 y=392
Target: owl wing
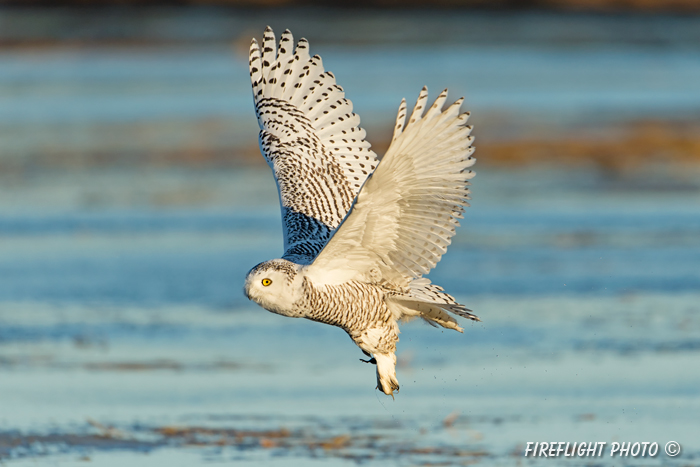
x=310 y=138
x=407 y=211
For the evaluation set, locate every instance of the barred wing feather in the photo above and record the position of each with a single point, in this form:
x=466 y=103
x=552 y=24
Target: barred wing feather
x=406 y=214
x=311 y=139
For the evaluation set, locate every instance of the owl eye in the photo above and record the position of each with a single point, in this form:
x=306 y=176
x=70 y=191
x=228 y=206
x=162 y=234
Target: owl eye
x=266 y=282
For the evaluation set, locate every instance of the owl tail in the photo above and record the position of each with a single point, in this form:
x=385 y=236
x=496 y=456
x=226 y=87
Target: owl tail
x=386 y=373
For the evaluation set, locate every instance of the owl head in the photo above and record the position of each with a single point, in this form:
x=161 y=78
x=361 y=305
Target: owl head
x=276 y=286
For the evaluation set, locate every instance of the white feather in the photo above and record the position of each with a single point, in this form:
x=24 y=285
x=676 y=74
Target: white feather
x=406 y=214
x=311 y=139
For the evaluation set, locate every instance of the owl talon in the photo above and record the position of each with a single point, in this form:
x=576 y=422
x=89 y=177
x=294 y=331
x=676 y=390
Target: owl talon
x=372 y=361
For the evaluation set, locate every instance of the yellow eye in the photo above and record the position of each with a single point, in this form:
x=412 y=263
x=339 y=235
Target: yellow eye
x=266 y=282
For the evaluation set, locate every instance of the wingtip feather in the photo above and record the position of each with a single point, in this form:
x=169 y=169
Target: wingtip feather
x=400 y=120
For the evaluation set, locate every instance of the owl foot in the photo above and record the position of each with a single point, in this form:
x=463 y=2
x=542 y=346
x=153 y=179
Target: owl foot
x=386 y=374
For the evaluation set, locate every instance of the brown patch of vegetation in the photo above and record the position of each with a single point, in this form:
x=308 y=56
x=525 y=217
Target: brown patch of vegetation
x=637 y=145
x=620 y=148
x=314 y=441
x=201 y=436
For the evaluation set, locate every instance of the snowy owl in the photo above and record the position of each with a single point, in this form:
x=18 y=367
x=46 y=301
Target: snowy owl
x=359 y=232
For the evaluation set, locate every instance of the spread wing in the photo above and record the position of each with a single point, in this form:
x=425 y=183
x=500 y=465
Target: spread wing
x=310 y=138
x=406 y=214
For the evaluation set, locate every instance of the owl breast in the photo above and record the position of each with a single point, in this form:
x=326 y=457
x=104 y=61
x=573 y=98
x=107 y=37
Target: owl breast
x=356 y=307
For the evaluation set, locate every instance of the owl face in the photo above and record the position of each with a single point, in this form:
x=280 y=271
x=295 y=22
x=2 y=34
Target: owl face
x=275 y=286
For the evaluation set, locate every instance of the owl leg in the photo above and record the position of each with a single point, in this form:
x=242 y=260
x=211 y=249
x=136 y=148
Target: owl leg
x=386 y=373
x=371 y=360
x=380 y=341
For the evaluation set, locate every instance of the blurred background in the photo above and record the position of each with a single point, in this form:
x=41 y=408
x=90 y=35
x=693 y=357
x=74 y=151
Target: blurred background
x=134 y=199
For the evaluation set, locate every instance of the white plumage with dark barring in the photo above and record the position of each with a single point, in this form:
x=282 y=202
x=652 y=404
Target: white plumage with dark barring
x=359 y=234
